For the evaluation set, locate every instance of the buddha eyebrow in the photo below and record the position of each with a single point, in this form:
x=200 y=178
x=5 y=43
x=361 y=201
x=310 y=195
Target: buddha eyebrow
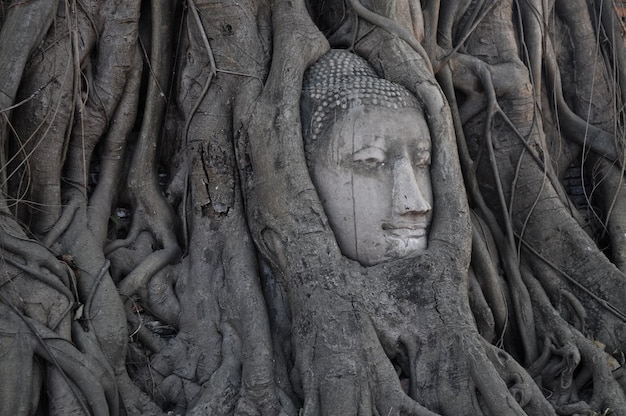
x=368 y=147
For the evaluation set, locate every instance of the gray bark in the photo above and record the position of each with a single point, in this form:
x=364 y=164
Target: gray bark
x=163 y=247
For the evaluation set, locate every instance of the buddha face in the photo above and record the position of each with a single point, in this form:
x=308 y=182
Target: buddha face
x=372 y=173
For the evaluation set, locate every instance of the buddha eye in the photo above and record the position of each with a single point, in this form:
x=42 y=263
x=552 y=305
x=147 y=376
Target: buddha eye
x=369 y=163
x=369 y=158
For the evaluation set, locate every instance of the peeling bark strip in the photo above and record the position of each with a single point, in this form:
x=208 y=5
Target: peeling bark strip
x=163 y=249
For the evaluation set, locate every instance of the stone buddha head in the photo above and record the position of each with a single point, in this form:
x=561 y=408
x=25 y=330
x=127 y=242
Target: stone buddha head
x=368 y=151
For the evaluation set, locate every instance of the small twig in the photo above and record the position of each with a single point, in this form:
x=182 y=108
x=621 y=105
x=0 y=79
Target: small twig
x=139 y=320
x=225 y=71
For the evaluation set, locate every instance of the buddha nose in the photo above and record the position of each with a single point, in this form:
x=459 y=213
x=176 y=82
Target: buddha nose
x=408 y=198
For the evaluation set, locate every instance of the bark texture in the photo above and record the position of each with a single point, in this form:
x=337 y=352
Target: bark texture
x=164 y=251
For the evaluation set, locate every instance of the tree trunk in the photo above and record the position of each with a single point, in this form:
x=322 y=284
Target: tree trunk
x=165 y=250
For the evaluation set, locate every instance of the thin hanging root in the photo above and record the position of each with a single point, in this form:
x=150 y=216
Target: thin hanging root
x=141 y=275
x=212 y=72
x=412 y=350
x=486 y=214
x=489 y=383
x=431 y=16
x=613 y=27
x=61 y=359
x=577 y=307
x=535 y=368
x=146 y=337
x=63 y=223
x=505 y=240
x=36 y=258
x=114 y=151
x=64 y=357
x=574 y=127
x=596 y=370
x=490 y=283
x=467 y=165
x=213 y=66
x=519 y=293
x=94 y=287
x=608 y=306
x=411 y=407
x=532 y=16
x=60 y=276
x=35 y=272
x=475 y=21
x=152 y=211
x=522 y=386
x=391 y=27
x=136 y=228
x=477 y=103
x=514 y=184
x=489 y=389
